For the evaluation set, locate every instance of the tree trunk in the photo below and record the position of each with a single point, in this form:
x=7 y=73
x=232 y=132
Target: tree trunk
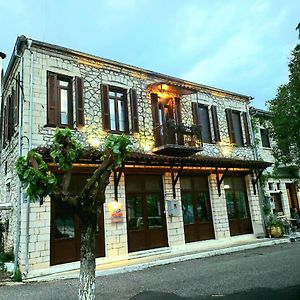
x=87 y=262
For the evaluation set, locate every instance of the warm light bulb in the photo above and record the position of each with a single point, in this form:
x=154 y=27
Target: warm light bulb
x=94 y=142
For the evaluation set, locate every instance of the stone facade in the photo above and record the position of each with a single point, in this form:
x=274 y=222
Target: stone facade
x=42 y=58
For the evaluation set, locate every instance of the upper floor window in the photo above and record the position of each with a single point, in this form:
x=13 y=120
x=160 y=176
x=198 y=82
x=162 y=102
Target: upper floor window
x=115 y=109
x=60 y=100
x=60 y=108
x=235 y=127
x=265 y=141
x=201 y=116
x=9 y=119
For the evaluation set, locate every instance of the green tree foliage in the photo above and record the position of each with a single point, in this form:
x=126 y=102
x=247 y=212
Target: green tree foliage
x=35 y=176
x=286 y=109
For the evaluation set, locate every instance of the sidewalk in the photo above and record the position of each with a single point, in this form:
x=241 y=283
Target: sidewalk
x=146 y=259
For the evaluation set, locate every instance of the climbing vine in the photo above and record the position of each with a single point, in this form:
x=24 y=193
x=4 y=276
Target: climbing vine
x=35 y=176
x=65 y=149
x=117 y=146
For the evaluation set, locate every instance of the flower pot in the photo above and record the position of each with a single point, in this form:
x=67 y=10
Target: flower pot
x=276 y=231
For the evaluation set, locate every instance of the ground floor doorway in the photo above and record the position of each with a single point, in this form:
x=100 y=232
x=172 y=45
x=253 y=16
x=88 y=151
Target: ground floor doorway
x=146 y=219
x=292 y=195
x=237 y=206
x=196 y=208
x=65 y=229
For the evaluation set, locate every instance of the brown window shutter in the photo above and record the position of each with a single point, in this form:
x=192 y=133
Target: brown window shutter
x=79 y=101
x=230 y=125
x=105 y=106
x=2 y=125
x=17 y=101
x=6 y=121
x=178 y=110
x=126 y=112
x=154 y=107
x=195 y=113
x=13 y=108
x=215 y=123
x=134 y=111
x=10 y=118
x=178 y=115
x=52 y=108
x=246 y=126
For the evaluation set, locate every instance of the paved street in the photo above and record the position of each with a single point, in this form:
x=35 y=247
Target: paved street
x=264 y=273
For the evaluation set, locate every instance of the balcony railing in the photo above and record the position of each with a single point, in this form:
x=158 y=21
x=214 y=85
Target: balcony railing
x=177 y=139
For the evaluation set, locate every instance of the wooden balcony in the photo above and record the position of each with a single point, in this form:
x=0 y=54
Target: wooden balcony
x=177 y=139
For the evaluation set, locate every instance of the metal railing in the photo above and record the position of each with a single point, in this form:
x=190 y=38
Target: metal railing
x=171 y=133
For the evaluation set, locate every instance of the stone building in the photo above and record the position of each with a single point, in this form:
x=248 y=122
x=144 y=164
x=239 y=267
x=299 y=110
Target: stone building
x=191 y=176
x=281 y=184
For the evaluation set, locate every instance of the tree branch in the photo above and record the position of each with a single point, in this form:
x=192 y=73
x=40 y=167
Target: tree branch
x=66 y=182
x=86 y=191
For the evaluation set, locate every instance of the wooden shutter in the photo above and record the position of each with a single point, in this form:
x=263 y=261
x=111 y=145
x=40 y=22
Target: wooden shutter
x=134 y=111
x=195 y=113
x=79 y=101
x=215 y=123
x=13 y=108
x=2 y=125
x=155 y=118
x=246 y=126
x=178 y=110
x=5 y=124
x=125 y=111
x=17 y=101
x=52 y=108
x=10 y=118
x=154 y=107
x=180 y=136
x=105 y=106
x=230 y=125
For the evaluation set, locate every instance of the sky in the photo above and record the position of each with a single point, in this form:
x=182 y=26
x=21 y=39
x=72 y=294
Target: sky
x=241 y=46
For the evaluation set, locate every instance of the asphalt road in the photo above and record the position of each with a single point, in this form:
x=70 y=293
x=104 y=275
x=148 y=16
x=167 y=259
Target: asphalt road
x=264 y=273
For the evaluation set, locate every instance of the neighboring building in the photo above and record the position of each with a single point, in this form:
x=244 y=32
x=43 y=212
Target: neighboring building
x=189 y=178
x=281 y=186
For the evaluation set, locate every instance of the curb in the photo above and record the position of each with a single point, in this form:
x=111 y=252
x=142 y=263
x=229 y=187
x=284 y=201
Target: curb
x=162 y=261
x=187 y=257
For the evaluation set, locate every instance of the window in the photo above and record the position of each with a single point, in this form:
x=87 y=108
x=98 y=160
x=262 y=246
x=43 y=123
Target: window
x=201 y=117
x=60 y=111
x=60 y=100
x=114 y=107
x=117 y=107
x=235 y=127
x=204 y=123
x=9 y=114
x=265 y=141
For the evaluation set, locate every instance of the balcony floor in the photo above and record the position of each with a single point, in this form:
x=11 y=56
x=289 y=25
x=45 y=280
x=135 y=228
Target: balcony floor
x=176 y=150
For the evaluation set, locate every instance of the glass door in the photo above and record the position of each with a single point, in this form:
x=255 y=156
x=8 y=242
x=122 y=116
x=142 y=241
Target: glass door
x=146 y=222
x=196 y=208
x=237 y=206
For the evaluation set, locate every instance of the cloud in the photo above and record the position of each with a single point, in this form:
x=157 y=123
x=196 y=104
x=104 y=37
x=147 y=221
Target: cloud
x=235 y=55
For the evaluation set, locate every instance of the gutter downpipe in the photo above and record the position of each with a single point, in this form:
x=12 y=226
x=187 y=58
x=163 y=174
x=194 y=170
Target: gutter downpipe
x=19 y=187
x=29 y=42
x=259 y=190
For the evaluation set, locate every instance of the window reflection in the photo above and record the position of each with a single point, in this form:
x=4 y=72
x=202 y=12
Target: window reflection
x=64 y=106
x=64 y=222
x=188 y=210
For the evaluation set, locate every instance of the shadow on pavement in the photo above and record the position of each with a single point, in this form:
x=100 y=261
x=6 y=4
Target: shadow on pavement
x=290 y=293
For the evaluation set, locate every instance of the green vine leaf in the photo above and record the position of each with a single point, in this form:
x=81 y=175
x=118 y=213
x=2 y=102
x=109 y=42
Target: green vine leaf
x=117 y=146
x=34 y=176
x=65 y=149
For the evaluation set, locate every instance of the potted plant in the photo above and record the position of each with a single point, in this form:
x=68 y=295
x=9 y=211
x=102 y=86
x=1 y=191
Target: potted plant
x=275 y=226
